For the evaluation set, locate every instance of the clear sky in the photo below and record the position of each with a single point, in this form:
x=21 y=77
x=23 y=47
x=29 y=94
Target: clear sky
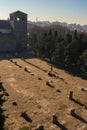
x=71 y=11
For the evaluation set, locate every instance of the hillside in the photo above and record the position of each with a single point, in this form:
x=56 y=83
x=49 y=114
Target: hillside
x=27 y=91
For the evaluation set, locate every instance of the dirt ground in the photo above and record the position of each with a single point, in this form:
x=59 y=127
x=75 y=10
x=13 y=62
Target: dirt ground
x=40 y=101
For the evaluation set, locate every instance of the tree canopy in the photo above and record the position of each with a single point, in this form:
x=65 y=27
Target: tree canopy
x=66 y=49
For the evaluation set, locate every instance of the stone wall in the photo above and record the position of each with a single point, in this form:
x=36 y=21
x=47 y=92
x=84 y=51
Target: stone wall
x=7 y=43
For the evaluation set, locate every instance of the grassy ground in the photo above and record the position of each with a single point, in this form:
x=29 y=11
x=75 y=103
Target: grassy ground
x=40 y=101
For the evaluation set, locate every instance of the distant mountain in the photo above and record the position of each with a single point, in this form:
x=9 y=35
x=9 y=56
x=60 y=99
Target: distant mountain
x=64 y=24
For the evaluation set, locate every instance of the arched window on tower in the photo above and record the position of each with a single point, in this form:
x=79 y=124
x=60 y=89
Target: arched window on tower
x=18 y=19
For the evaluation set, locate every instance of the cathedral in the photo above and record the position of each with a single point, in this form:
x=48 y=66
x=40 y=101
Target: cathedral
x=13 y=32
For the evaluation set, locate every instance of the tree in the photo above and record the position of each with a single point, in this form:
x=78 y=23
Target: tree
x=41 y=48
x=33 y=42
x=65 y=50
x=68 y=38
x=83 y=42
x=58 y=55
x=83 y=58
x=72 y=53
x=49 y=45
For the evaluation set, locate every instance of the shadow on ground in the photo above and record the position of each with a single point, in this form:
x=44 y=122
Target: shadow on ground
x=26 y=54
x=79 y=118
x=62 y=127
x=2 y=117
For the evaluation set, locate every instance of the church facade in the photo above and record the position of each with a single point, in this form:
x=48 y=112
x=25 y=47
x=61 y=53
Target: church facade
x=13 y=32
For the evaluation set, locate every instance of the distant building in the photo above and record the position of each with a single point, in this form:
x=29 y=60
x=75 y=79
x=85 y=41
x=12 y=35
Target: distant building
x=13 y=32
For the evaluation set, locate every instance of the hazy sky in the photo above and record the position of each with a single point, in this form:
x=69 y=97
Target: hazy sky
x=71 y=11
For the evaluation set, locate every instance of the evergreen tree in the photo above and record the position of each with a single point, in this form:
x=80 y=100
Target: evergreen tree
x=58 y=55
x=83 y=61
x=72 y=53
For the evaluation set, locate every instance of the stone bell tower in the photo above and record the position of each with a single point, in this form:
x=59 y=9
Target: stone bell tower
x=18 y=21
